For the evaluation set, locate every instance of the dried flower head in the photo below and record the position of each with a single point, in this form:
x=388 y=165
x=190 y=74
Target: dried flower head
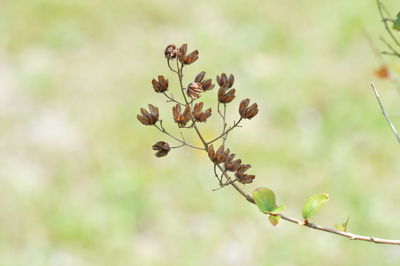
x=224 y=81
x=206 y=84
x=170 y=52
x=246 y=111
x=162 y=148
x=198 y=115
x=148 y=118
x=219 y=156
x=187 y=59
x=194 y=89
x=242 y=176
x=181 y=118
x=200 y=76
x=161 y=85
x=182 y=51
x=232 y=165
x=226 y=95
x=245 y=178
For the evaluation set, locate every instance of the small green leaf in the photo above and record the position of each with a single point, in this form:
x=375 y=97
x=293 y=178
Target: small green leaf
x=343 y=226
x=313 y=204
x=265 y=199
x=274 y=220
x=339 y=227
x=278 y=210
x=396 y=23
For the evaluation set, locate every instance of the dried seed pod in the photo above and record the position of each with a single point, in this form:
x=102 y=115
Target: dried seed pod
x=206 y=84
x=182 y=52
x=232 y=165
x=200 y=76
x=162 y=148
x=170 y=52
x=219 y=156
x=191 y=58
x=148 y=118
x=245 y=178
x=226 y=95
x=224 y=81
x=198 y=115
x=243 y=168
x=181 y=118
x=242 y=176
x=161 y=85
x=187 y=59
x=194 y=89
x=246 y=111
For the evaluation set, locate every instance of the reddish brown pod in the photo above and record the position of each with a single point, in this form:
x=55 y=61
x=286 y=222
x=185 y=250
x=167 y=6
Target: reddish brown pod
x=148 y=118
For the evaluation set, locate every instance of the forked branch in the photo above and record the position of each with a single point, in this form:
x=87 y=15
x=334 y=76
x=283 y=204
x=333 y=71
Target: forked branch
x=231 y=171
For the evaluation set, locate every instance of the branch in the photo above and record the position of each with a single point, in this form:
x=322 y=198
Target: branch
x=249 y=198
x=172 y=99
x=226 y=131
x=349 y=235
x=393 y=128
x=223 y=116
x=183 y=142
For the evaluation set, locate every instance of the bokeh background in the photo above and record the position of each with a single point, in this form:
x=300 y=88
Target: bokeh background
x=79 y=183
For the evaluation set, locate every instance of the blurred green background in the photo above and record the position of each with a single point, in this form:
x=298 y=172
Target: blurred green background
x=79 y=183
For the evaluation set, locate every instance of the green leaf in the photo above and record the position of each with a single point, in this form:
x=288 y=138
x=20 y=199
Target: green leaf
x=313 y=204
x=343 y=226
x=396 y=23
x=339 y=227
x=278 y=210
x=274 y=220
x=265 y=199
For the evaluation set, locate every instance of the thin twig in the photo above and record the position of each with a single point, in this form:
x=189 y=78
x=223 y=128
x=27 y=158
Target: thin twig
x=390 y=46
x=393 y=128
x=180 y=76
x=161 y=129
x=173 y=70
x=349 y=235
x=223 y=116
x=226 y=132
x=172 y=99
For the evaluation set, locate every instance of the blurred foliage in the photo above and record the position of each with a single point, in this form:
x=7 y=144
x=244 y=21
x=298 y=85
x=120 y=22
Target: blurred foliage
x=79 y=183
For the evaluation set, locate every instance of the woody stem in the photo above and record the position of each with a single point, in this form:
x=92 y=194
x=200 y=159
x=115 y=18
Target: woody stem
x=180 y=76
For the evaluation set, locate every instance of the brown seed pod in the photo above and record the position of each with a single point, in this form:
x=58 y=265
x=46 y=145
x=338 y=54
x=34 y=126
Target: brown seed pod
x=187 y=59
x=219 y=156
x=224 y=81
x=232 y=165
x=198 y=115
x=181 y=118
x=242 y=176
x=200 y=76
x=148 y=118
x=162 y=148
x=246 y=111
x=170 y=52
x=226 y=95
x=191 y=58
x=245 y=178
x=161 y=85
x=205 y=84
x=194 y=89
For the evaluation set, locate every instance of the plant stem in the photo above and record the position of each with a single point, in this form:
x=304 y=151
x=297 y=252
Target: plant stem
x=348 y=235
